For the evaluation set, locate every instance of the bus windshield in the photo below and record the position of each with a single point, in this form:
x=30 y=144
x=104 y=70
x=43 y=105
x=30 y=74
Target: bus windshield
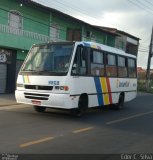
x=49 y=58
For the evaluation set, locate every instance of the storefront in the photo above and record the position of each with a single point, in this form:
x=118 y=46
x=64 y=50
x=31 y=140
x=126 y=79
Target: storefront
x=7 y=70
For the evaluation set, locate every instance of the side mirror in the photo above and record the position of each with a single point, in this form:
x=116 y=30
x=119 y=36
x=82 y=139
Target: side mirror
x=74 y=66
x=74 y=69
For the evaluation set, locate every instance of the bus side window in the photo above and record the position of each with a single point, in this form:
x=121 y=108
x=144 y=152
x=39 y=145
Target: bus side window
x=132 y=68
x=122 y=66
x=111 y=65
x=97 y=63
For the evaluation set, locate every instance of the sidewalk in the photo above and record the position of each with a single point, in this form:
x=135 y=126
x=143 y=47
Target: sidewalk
x=7 y=100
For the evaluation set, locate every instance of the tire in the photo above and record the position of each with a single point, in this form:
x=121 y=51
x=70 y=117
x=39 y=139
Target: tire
x=82 y=106
x=120 y=104
x=39 y=109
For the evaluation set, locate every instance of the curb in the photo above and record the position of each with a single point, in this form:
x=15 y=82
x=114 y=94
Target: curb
x=11 y=104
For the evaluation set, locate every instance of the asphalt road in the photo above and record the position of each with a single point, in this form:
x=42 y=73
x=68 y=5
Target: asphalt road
x=100 y=131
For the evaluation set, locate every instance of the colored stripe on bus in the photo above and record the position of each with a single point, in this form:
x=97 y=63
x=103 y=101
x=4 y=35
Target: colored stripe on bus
x=26 y=79
x=109 y=90
x=92 y=45
x=104 y=90
x=99 y=91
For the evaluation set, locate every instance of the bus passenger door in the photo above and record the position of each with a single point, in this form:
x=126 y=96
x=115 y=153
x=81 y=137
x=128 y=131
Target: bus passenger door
x=80 y=64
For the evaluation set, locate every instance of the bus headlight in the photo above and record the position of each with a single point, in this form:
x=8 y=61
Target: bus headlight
x=65 y=88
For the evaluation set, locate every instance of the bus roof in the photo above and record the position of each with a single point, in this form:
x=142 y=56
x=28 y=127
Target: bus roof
x=106 y=48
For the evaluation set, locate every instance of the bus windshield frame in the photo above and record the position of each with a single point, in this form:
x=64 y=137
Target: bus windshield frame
x=49 y=59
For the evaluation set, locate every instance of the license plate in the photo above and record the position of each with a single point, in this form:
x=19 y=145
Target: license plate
x=35 y=102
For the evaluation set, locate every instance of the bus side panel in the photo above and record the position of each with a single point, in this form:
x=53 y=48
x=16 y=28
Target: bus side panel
x=123 y=85
x=101 y=90
x=80 y=85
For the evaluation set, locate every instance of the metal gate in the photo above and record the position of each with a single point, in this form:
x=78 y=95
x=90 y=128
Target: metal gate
x=3 y=77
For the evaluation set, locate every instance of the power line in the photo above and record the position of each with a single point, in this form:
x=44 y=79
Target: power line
x=48 y=4
x=145 y=41
x=140 y=6
x=79 y=11
x=149 y=2
x=144 y=51
x=144 y=47
x=74 y=7
x=144 y=4
x=64 y=8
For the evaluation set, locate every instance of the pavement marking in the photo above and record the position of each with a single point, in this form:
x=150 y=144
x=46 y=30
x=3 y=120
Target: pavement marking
x=36 y=142
x=130 y=117
x=82 y=130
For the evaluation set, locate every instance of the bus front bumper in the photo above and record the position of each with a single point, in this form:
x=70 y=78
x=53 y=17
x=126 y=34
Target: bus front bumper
x=61 y=101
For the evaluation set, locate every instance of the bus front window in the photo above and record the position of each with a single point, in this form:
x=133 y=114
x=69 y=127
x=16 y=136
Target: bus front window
x=49 y=58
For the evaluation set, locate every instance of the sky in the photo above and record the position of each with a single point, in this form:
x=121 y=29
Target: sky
x=132 y=16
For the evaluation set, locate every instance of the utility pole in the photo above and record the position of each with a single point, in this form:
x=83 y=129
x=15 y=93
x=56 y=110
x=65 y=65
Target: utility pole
x=149 y=62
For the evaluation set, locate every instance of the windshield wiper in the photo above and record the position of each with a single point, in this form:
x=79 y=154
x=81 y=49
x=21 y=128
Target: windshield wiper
x=43 y=72
x=28 y=70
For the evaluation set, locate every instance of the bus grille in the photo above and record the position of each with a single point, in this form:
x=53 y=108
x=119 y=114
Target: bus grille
x=37 y=87
x=36 y=96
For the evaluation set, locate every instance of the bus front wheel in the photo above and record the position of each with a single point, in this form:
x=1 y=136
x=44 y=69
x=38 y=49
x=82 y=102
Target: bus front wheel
x=39 y=108
x=82 y=106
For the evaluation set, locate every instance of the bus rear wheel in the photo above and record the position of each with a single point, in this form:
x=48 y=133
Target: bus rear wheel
x=120 y=103
x=39 y=109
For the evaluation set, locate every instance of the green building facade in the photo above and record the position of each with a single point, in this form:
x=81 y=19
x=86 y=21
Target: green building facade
x=24 y=23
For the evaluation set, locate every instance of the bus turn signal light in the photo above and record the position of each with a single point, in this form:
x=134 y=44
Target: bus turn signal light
x=66 y=88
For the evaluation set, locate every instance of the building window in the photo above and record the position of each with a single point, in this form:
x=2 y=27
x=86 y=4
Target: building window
x=97 y=63
x=122 y=67
x=73 y=34
x=111 y=68
x=15 y=20
x=54 y=32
